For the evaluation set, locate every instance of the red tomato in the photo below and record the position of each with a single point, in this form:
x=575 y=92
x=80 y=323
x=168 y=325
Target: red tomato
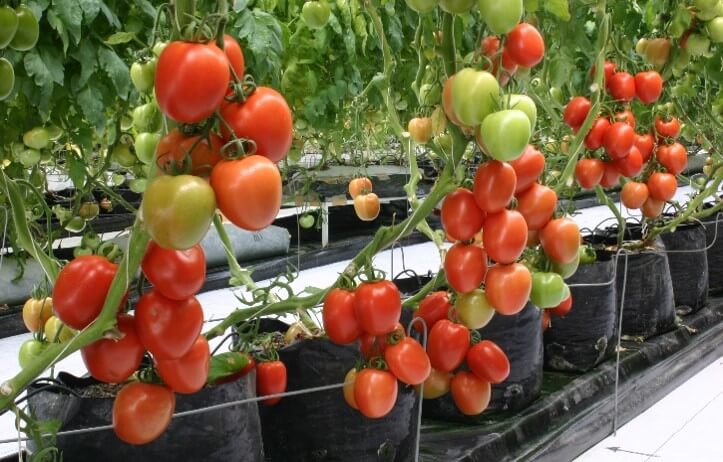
x=611 y=176
x=563 y=308
x=634 y=194
x=494 y=185
x=375 y=392
x=470 y=393
x=576 y=111
x=378 y=306
x=525 y=45
x=589 y=172
x=537 y=205
x=187 y=374
x=626 y=116
x=489 y=46
x=265 y=118
x=673 y=157
x=508 y=287
x=622 y=86
x=178 y=153
x=594 y=139
x=618 y=140
x=270 y=380
x=248 y=191
x=433 y=308
x=528 y=168
x=81 y=288
x=113 y=361
x=181 y=94
x=645 y=144
x=461 y=217
x=488 y=362
x=560 y=240
x=648 y=86
x=465 y=267
x=339 y=317
x=669 y=129
x=142 y=412
x=662 y=187
x=608 y=70
x=408 y=361
x=168 y=328
x=447 y=345
x=176 y=274
x=235 y=56
x=505 y=236
x=630 y=165
x=652 y=208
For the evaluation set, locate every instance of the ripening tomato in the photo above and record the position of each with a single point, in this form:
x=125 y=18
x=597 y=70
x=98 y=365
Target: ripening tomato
x=181 y=94
x=508 y=287
x=349 y=381
x=189 y=373
x=263 y=117
x=560 y=240
x=434 y=307
x=375 y=392
x=630 y=165
x=489 y=46
x=528 y=168
x=465 y=266
x=447 y=103
x=525 y=45
x=142 y=412
x=378 y=306
x=576 y=111
x=626 y=116
x=662 y=186
x=504 y=134
x=488 y=362
x=669 y=128
x=563 y=308
x=361 y=185
x=548 y=289
x=470 y=393
x=177 y=152
x=652 y=208
x=437 y=384
x=475 y=95
x=168 y=328
x=634 y=194
x=339 y=316
x=501 y=18
x=505 y=236
x=248 y=191
x=176 y=274
x=367 y=206
x=473 y=309
x=673 y=157
x=447 y=344
x=270 y=380
x=645 y=144
x=461 y=217
x=648 y=86
x=594 y=138
x=537 y=205
x=408 y=361
x=494 y=186
x=589 y=172
x=611 y=176
x=622 y=86
x=618 y=140
x=36 y=312
x=114 y=360
x=81 y=289
x=235 y=57
x=420 y=129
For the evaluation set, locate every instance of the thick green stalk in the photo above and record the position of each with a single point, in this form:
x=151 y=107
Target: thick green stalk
x=605 y=200
x=239 y=276
x=437 y=281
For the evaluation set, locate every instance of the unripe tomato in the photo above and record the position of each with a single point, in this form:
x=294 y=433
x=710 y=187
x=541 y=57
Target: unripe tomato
x=437 y=384
x=505 y=134
x=473 y=309
x=36 y=312
x=475 y=95
x=501 y=17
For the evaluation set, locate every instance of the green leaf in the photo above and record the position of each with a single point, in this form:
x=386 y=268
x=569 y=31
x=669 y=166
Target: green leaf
x=57 y=24
x=36 y=68
x=531 y=6
x=116 y=70
x=53 y=63
x=76 y=170
x=91 y=103
x=120 y=38
x=226 y=364
x=90 y=8
x=70 y=12
x=147 y=8
x=85 y=54
x=110 y=16
x=559 y=8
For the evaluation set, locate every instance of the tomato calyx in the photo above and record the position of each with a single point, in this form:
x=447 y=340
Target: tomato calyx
x=377 y=363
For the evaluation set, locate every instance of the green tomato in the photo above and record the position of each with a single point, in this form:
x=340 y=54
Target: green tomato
x=456 y=6
x=36 y=138
x=525 y=104
x=148 y=118
x=123 y=156
x=315 y=14
x=90 y=240
x=158 y=48
x=566 y=270
x=126 y=123
x=82 y=251
x=474 y=309
x=7 y=78
x=421 y=6
x=714 y=28
x=117 y=179
x=54 y=132
x=89 y=210
x=143 y=75
x=548 y=290
x=587 y=255
x=177 y=210
x=8 y=25
x=697 y=45
x=556 y=94
x=501 y=16
x=29 y=157
x=429 y=94
x=29 y=350
x=28 y=31
x=306 y=220
x=56 y=331
x=706 y=4
x=475 y=94
x=17 y=148
x=46 y=155
x=145 y=145
x=505 y=134
x=138 y=185
x=641 y=46
x=75 y=225
x=710 y=13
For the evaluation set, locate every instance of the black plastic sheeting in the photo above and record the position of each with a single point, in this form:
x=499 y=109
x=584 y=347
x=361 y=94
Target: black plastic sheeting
x=586 y=336
x=575 y=411
x=217 y=436
x=688 y=265
x=714 y=242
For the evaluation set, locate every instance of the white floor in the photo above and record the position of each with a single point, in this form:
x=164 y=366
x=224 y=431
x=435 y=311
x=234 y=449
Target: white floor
x=675 y=429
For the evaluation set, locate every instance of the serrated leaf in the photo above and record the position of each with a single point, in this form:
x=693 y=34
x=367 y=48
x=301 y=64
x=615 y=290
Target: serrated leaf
x=119 y=38
x=226 y=364
x=36 y=68
x=54 y=64
x=117 y=71
x=70 y=12
x=76 y=170
x=91 y=103
x=559 y=8
x=85 y=54
x=59 y=26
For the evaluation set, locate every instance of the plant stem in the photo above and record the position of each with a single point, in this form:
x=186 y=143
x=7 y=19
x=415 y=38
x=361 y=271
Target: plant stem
x=239 y=276
x=605 y=200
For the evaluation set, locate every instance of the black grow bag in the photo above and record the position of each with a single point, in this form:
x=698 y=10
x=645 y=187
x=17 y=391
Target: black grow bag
x=688 y=265
x=585 y=337
x=225 y=435
x=520 y=337
x=714 y=242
